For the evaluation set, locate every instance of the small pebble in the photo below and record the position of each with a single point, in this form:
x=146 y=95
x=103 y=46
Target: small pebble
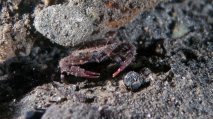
x=133 y=81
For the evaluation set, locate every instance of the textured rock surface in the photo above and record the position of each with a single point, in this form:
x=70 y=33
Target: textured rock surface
x=64 y=25
x=75 y=111
x=14 y=36
x=79 y=21
x=133 y=81
x=178 y=70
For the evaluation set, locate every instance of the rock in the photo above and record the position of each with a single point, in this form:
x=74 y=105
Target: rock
x=6 y=50
x=32 y=115
x=63 y=24
x=76 y=22
x=14 y=41
x=133 y=81
x=70 y=110
x=179 y=31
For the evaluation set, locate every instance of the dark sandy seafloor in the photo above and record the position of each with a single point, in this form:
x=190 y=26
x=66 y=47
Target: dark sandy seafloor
x=174 y=58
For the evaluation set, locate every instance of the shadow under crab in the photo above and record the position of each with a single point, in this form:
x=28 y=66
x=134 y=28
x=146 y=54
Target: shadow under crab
x=96 y=52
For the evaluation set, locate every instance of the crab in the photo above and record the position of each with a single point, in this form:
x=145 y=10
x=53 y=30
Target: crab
x=101 y=50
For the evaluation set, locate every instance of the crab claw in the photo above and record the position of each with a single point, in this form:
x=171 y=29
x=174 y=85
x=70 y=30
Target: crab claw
x=79 y=72
x=90 y=74
x=116 y=73
x=119 y=70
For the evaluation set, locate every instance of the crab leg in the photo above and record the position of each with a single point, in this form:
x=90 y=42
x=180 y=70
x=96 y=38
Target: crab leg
x=129 y=57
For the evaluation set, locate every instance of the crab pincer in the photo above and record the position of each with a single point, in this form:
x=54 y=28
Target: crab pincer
x=129 y=57
x=67 y=65
x=90 y=74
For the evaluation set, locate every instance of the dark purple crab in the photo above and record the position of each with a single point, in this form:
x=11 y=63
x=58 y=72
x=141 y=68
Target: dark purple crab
x=101 y=50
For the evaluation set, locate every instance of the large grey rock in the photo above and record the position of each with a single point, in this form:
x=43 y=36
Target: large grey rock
x=78 y=21
x=63 y=24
